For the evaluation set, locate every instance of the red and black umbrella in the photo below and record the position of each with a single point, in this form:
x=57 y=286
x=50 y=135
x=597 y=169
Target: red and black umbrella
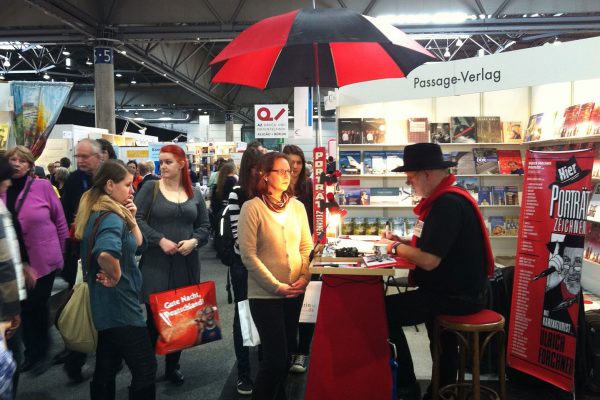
x=312 y=47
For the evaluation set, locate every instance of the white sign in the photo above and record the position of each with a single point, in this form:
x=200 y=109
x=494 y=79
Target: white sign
x=576 y=60
x=154 y=149
x=271 y=121
x=303 y=113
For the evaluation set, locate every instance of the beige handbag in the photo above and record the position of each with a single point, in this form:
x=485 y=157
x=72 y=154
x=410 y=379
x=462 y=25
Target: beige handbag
x=75 y=322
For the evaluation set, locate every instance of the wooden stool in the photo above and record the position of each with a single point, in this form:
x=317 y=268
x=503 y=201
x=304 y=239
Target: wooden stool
x=467 y=329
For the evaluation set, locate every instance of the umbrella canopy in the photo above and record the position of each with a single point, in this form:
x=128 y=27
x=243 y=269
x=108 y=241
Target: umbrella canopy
x=329 y=47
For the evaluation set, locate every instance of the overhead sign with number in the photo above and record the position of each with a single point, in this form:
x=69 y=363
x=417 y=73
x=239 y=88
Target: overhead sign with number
x=271 y=120
x=103 y=55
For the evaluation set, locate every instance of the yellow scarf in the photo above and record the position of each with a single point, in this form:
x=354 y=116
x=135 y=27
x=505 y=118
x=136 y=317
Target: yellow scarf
x=106 y=203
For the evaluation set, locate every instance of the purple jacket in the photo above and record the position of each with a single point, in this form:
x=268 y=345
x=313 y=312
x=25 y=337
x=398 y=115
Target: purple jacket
x=44 y=227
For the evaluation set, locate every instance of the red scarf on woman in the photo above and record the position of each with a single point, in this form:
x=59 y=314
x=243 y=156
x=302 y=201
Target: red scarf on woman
x=447 y=186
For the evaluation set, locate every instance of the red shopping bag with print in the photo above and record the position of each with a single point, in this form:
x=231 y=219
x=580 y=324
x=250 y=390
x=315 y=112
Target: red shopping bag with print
x=185 y=317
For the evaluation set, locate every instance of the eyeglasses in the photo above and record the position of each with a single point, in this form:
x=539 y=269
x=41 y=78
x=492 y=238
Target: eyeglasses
x=282 y=172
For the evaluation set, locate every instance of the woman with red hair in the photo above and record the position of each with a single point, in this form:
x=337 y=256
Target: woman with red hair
x=174 y=221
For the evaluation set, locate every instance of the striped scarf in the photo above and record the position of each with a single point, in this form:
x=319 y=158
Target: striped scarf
x=274 y=204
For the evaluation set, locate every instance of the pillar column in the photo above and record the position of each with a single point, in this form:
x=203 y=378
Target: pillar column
x=104 y=89
x=228 y=126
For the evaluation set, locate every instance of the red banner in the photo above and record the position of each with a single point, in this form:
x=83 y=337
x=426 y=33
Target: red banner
x=543 y=325
x=319 y=194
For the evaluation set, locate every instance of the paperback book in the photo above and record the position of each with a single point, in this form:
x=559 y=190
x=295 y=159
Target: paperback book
x=510 y=162
x=511 y=225
x=373 y=130
x=439 y=132
x=595 y=120
x=417 y=130
x=511 y=195
x=484 y=197
x=497 y=226
x=593 y=212
x=374 y=162
x=350 y=131
x=511 y=132
x=489 y=130
x=569 y=121
x=357 y=196
x=498 y=196
x=385 y=196
x=464 y=129
x=465 y=164
x=393 y=159
x=471 y=183
x=379 y=261
x=349 y=162
x=584 y=119
x=486 y=161
x=534 y=128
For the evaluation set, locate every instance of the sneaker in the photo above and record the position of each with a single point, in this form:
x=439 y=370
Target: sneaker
x=299 y=364
x=244 y=385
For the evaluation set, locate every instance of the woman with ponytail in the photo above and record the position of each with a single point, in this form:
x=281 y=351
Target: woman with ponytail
x=174 y=220
x=106 y=222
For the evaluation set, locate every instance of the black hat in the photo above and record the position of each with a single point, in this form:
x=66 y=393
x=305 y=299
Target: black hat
x=568 y=172
x=422 y=156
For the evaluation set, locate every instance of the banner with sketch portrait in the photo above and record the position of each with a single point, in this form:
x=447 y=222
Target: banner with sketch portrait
x=544 y=310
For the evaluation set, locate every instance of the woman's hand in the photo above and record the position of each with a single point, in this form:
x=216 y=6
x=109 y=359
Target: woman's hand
x=15 y=322
x=289 y=291
x=30 y=276
x=185 y=247
x=105 y=280
x=301 y=284
x=168 y=246
x=130 y=205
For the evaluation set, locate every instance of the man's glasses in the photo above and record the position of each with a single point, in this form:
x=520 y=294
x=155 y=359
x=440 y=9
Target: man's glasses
x=282 y=172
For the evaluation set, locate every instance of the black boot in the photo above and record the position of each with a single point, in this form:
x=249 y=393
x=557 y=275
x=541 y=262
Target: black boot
x=102 y=391
x=145 y=393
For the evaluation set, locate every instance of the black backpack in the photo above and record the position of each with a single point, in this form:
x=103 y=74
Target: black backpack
x=224 y=240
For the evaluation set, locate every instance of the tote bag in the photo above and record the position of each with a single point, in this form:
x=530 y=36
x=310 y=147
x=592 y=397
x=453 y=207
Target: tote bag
x=249 y=332
x=185 y=317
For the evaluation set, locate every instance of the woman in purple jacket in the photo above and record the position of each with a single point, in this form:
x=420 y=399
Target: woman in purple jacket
x=42 y=231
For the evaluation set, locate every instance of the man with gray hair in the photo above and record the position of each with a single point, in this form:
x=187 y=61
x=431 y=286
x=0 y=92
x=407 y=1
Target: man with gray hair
x=145 y=168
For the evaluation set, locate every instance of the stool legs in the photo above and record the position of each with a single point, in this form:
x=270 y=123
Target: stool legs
x=475 y=367
x=502 y=366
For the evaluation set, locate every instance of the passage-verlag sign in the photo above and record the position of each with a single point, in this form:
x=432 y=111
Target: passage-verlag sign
x=271 y=120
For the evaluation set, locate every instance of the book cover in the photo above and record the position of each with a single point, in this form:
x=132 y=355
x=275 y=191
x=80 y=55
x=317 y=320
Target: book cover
x=349 y=162
x=584 y=119
x=595 y=120
x=371 y=226
x=360 y=226
x=357 y=196
x=486 y=161
x=409 y=226
x=374 y=162
x=464 y=129
x=373 y=130
x=348 y=226
x=592 y=244
x=489 y=130
x=534 y=128
x=465 y=164
x=471 y=183
x=497 y=226
x=596 y=166
x=511 y=195
x=510 y=162
x=551 y=125
x=570 y=116
x=398 y=227
x=511 y=132
x=393 y=159
x=439 y=132
x=511 y=224
x=385 y=196
x=593 y=212
x=350 y=131
x=417 y=130
x=484 y=196
x=407 y=196
x=498 y=196
x=379 y=261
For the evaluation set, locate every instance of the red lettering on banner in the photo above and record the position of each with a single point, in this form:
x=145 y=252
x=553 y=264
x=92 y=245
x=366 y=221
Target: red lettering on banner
x=264 y=114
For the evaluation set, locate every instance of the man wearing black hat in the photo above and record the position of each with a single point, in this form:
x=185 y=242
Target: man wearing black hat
x=452 y=254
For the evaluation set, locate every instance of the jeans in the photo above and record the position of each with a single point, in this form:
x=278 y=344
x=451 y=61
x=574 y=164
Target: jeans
x=276 y=321
x=239 y=282
x=35 y=318
x=132 y=344
x=171 y=359
x=420 y=306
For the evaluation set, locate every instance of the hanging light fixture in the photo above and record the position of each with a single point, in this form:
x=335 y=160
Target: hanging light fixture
x=447 y=53
x=133 y=82
x=459 y=42
x=46 y=76
x=88 y=62
x=6 y=62
x=2 y=77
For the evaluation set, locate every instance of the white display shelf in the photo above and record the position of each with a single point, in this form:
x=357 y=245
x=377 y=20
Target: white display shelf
x=572 y=139
x=376 y=145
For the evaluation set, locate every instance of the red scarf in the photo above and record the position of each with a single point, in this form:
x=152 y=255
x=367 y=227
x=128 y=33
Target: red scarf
x=447 y=186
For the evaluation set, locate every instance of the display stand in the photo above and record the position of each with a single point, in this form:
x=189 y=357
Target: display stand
x=350 y=355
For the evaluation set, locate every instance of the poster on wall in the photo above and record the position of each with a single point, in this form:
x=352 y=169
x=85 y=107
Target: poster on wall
x=544 y=311
x=271 y=120
x=319 y=195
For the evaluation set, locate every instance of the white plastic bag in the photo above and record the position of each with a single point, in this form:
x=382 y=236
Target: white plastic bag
x=249 y=332
x=310 y=305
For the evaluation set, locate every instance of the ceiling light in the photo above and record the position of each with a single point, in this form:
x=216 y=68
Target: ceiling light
x=46 y=76
x=164 y=74
x=176 y=81
x=165 y=118
x=480 y=52
x=447 y=53
x=524 y=15
x=558 y=14
x=126 y=110
x=123 y=52
x=141 y=105
x=66 y=53
x=205 y=112
x=2 y=76
x=143 y=62
x=556 y=42
x=133 y=82
x=6 y=62
x=139 y=119
x=68 y=62
x=199 y=109
x=535 y=15
x=118 y=75
x=459 y=42
x=136 y=113
x=481 y=16
x=88 y=62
